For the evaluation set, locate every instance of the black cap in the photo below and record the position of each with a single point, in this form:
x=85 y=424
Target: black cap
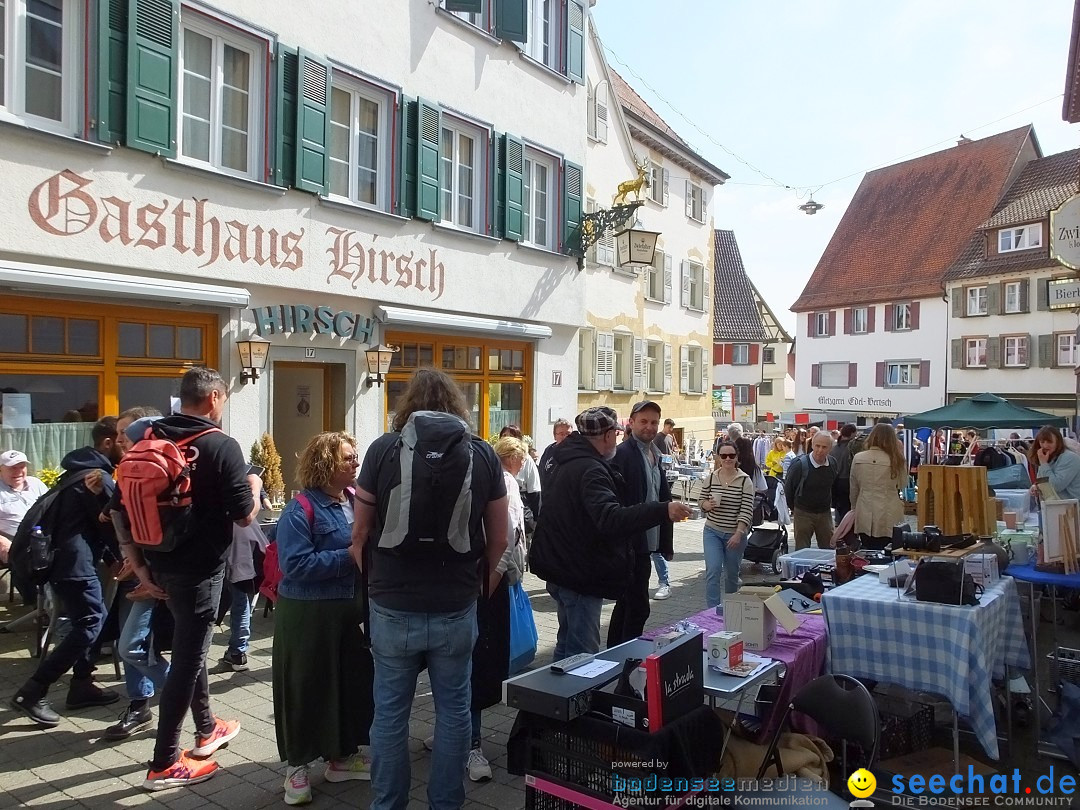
x=645 y=403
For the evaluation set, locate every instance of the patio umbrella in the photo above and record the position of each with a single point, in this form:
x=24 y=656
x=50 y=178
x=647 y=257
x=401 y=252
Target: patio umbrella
x=983 y=411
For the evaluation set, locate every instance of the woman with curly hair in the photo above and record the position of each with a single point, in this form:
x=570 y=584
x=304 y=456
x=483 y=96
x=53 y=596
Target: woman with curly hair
x=322 y=668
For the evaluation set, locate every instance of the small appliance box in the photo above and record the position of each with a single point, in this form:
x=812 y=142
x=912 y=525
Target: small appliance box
x=983 y=568
x=745 y=613
x=725 y=649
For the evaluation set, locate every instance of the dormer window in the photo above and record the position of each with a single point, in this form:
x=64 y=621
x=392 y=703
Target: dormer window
x=1022 y=238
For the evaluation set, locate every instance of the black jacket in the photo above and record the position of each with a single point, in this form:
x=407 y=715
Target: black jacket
x=631 y=465
x=582 y=535
x=80 y=540
x=220 y=494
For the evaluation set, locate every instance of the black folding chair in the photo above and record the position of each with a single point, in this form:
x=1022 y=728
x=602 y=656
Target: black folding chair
x=839 y=704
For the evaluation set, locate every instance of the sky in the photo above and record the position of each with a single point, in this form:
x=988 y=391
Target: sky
x=809 y=93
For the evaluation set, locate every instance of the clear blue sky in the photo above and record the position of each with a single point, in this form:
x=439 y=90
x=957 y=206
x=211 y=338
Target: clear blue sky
x=812 y=92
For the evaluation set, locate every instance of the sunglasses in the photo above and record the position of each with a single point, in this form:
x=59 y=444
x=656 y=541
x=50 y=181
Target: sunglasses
x=726 y=455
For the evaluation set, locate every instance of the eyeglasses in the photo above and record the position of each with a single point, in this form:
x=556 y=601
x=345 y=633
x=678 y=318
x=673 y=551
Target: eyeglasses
x=350 y=459
x=727 y=455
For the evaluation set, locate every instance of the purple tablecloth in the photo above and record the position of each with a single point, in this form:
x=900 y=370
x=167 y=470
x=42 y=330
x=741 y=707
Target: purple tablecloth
x=803 y=653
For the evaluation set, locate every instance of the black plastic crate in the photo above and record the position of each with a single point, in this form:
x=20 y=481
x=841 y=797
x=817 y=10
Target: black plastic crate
x=584 y=764
x=906 y=726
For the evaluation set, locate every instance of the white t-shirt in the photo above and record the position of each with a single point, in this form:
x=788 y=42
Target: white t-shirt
x=14 y=504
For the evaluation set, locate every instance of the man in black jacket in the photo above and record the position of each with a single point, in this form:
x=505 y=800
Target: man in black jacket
x=190 y=576
x=582 y=547
x=637 y=460
x=80 y=541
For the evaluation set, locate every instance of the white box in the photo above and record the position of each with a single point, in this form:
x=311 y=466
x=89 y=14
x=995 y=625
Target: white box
x=745 y=613
x=983 y=568
x=725 y=649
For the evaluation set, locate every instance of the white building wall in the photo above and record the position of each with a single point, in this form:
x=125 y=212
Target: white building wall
x=928 y=342
x=782 y=399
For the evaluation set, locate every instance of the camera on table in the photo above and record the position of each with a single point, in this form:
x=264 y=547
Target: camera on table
x=929 y=539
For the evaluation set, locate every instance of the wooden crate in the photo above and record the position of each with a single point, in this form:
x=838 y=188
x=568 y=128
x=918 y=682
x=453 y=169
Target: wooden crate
x=955 y=499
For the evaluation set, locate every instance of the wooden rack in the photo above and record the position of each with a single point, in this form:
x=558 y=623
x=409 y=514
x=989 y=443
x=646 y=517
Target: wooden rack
x=956 y=500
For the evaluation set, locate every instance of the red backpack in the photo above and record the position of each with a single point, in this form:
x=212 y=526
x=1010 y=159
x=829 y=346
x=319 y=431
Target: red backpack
x=155 y=487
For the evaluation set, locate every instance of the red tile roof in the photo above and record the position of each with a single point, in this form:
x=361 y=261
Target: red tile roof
x=908 y=223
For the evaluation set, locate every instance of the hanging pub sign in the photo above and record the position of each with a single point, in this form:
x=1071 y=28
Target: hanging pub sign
x=635 y=247
x=1065 y=234
x=1063 y=293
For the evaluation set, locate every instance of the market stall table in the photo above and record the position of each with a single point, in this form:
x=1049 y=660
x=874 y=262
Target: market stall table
x=948 y=650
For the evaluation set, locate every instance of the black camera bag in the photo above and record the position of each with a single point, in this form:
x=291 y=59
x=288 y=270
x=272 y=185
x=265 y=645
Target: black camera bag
x=945 y=583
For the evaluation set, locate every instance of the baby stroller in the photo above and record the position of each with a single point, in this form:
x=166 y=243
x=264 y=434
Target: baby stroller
x=768 y=538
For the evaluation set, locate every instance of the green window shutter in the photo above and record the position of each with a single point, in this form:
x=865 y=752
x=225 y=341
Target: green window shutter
x=575 y=41
x=112 y=70
x=993 y=353
x=471 y=6
x=1042 y=294
x=287 y=71
x=571 y=207
x=512 y=20
x=497 y=197
x=959 y=305
x=513 y=188
x=312 y=122
x=153 y=37
x=1046 y=351
x=957 y=352
x=429 y=130
x=405 y=159
x=994 y=299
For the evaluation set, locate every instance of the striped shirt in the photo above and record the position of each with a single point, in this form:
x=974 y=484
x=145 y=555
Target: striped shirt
x=734 y=501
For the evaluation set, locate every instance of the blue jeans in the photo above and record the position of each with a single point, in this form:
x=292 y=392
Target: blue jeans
x=579 y=621
x=239 y=620
x=144 y=672
x=661 y=568
x=81 y=604
x=401 y=644
x=717 y=558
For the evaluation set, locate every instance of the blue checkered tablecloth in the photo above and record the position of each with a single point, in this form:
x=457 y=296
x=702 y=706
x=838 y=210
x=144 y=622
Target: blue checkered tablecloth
x=944 y=649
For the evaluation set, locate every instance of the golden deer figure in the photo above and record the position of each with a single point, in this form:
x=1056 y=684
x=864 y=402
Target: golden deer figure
x=634 y=186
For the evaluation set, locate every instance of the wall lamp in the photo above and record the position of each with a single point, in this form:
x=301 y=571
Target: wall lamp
x=378 y=363
x=253 y=355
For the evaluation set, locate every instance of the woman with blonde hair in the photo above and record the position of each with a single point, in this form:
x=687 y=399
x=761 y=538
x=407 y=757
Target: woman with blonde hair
x=322 y=668
x=878 y=474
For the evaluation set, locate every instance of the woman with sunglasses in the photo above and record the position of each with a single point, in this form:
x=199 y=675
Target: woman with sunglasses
x=727 y=499
x=322 y=667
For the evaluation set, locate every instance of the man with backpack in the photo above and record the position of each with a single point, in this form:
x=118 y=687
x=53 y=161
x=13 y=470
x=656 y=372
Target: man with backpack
x=431 y=504
x=843 y=451
x=78 y=542
x=191 y=573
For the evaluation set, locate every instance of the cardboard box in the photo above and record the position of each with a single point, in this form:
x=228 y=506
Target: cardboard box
x=664 y=639
x=983 y=568
x=725 y=649
x=754 y=611
x=1009 y=518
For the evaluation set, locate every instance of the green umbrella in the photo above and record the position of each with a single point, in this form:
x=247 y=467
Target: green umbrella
x=982 y=411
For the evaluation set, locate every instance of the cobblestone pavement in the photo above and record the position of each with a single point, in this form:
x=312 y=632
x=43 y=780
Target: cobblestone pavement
x=72 y=766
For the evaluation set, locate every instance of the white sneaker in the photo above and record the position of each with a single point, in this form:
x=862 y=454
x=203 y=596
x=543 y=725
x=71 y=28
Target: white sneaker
x=479 y=767
x=663 y=592
x=297 y=785
x=357 y=766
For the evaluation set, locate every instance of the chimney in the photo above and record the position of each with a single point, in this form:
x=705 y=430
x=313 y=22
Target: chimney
x=962 y=139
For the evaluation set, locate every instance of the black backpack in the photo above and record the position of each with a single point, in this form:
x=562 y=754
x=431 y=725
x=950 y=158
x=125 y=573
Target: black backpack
x=40 y=513
x=429 y=482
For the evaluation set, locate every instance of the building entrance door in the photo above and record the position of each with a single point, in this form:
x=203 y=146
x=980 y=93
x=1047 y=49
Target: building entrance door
x=309 y=398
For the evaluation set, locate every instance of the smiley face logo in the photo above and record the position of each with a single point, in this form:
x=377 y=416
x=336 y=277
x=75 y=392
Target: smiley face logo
x=862 y=783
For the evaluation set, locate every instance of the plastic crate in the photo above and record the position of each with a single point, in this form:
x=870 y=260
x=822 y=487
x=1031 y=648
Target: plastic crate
x=583 y=764
x=905 y=727
x=799 y=562
x=1064 y=666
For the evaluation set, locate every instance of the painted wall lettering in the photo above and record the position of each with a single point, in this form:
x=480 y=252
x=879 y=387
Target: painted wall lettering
x=352 y=260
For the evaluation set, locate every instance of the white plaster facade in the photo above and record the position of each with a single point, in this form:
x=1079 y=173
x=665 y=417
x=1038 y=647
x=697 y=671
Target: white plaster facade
x=662 y=348
x=70 y=203
x=782 y=398
x=866 y=397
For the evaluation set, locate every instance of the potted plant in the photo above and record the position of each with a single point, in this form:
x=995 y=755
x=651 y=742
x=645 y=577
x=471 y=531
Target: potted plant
x=264 y=454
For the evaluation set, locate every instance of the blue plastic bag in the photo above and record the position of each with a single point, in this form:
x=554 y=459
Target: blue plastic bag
x=523 y=635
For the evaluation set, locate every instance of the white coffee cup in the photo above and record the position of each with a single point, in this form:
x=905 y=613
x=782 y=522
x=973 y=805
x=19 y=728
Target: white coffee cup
x=1021 y=552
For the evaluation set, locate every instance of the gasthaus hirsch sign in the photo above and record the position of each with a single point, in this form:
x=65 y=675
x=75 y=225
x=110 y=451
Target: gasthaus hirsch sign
x=1065 y=234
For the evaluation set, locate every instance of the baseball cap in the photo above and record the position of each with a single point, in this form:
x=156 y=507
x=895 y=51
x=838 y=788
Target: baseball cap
x=645 y=403
x=9 y=458
x=597 y=421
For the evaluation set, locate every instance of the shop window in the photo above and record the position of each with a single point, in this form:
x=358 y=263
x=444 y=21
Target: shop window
x=414 y=355
x=461 y=357
x=506 y=360
x=160 y=341
x=41 y=334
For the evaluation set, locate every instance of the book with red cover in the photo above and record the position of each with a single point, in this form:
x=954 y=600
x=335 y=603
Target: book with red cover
x=674 y=684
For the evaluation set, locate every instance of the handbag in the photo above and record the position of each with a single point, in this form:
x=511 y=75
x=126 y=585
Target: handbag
x=945 y=583
x=523 y=635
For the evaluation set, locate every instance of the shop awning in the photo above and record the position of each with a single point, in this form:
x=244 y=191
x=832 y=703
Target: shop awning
x=401 y=316
x=39 y=278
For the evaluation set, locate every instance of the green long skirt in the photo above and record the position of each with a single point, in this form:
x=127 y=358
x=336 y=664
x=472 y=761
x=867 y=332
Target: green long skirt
x=323 y=675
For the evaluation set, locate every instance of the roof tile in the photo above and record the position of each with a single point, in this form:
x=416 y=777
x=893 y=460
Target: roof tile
x=1044 y=184
x=735 y=311
x=908 y=223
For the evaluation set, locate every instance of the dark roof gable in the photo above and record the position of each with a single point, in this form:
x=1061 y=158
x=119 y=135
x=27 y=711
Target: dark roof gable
x=735 y=310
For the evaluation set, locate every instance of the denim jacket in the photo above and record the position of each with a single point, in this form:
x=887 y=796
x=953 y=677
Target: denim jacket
x=314 y=557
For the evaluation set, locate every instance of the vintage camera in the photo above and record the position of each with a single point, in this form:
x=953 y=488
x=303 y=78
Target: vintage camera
x=929 y=539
